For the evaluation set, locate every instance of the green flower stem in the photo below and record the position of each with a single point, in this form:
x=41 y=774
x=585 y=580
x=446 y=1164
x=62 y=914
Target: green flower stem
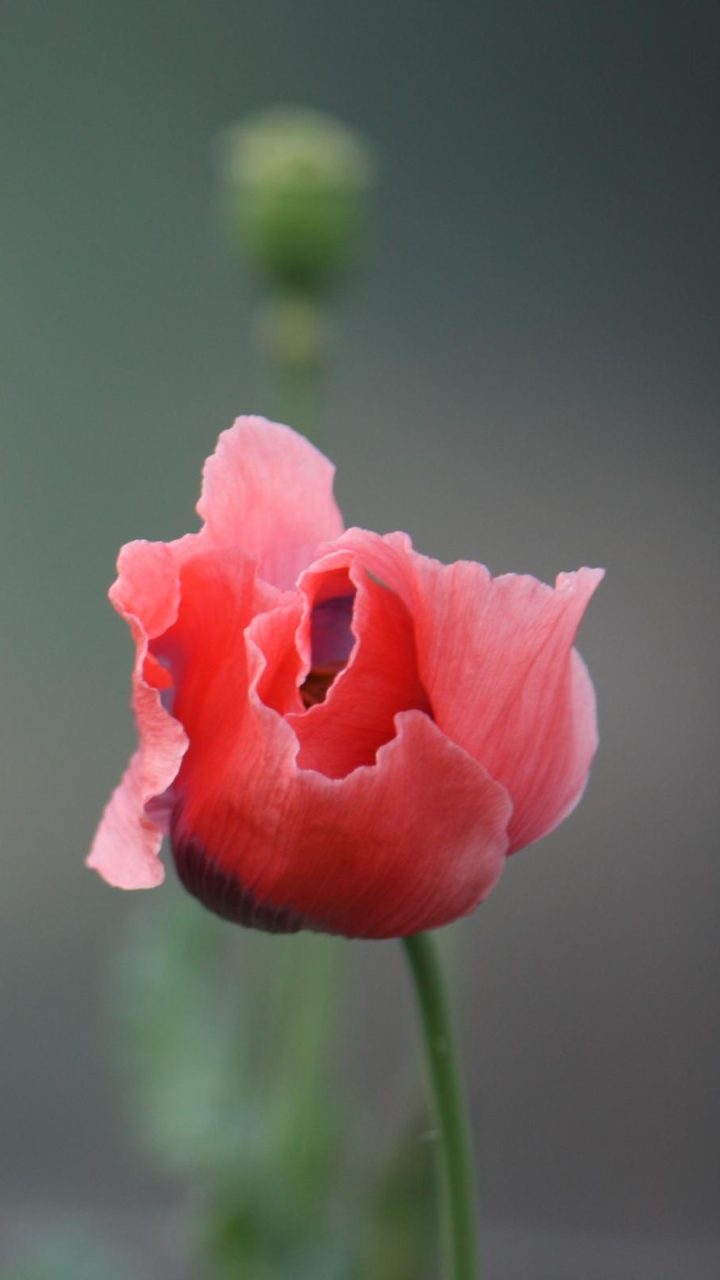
x=295 y=341
x=454 y=1138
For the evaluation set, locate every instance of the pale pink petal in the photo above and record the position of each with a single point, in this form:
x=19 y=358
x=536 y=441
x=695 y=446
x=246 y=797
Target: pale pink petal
x=127 y=843
x=497 y=659
x=268 y=491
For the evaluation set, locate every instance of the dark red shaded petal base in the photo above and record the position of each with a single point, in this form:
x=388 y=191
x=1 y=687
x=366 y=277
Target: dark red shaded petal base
x=223 y=893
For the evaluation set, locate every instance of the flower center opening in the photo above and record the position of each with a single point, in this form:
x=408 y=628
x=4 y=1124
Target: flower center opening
x=331 y=642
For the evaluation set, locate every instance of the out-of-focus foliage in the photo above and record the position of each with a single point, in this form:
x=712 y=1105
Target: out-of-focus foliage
x=71 y=1252
x=402 y=1217
x=226 y=1039
x=222 y=1035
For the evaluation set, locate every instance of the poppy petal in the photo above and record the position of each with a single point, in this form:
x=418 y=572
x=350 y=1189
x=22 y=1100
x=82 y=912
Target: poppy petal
x=268 y=491
x=381 y=678
x=127 y=843
x=496 y=658
x=205 y=651
x=407 y=844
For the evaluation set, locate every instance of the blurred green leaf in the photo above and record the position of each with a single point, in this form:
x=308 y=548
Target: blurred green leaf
x=225 y=1038
x=181 y=1055
x=402 y=1237
x=67 y=1252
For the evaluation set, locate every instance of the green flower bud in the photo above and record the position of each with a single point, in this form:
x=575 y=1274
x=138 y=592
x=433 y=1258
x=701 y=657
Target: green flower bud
x=295 y=187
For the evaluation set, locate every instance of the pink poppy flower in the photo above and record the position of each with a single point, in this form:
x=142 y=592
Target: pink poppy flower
x=336 y=732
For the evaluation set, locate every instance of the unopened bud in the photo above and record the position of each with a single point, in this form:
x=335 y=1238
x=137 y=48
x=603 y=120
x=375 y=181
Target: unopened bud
x=295 y=195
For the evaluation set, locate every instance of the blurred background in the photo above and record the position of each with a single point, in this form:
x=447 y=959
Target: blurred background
x=526 y=374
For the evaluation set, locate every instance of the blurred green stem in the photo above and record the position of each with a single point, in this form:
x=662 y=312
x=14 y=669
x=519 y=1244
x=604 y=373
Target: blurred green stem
x=295 y=340
x=310 y=1027
x=293 y=331
x=454 y=1137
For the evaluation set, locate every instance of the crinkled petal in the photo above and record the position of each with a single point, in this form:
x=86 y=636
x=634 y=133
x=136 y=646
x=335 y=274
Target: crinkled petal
x=381 y=678
x=205 y=651
x=407 y=844
x=497 y=655
x=496 y=658
x=127 y=843
x=268 y=491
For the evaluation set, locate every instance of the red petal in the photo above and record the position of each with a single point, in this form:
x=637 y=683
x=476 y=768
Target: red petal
x=380 y=680
x=410 y=843
x=206 y=652
x=496 y=659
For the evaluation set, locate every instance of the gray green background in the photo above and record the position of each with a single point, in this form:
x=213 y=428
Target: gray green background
x=527 y=375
